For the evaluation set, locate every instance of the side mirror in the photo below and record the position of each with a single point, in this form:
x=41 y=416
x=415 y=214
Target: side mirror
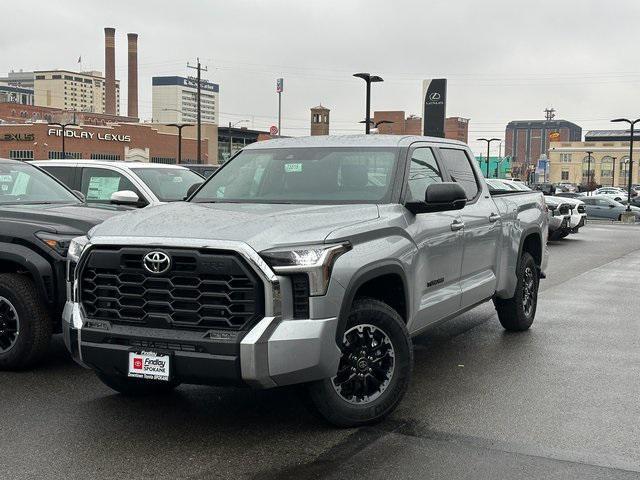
x=80 y=195
x=125 y=197
x=440 y=197
x=192 y=189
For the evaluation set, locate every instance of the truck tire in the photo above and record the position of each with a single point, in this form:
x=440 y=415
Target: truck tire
x=25 y=324
x=134 y=387
x=374 y=371
x=516 y=314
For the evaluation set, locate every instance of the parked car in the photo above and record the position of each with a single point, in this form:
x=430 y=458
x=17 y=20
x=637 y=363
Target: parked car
x=135 y=184
x=569 y=194
x=559 y=218
x=546 y=188
x=599 y=206
x=305 y=261
x=38 y=218
x=614 y=193
x=566 y=215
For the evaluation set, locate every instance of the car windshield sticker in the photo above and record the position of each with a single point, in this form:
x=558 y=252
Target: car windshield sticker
x=292 y=167
x=20 y=184
x=101 y=188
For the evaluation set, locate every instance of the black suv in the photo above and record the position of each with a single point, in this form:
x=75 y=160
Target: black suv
x=38 y=218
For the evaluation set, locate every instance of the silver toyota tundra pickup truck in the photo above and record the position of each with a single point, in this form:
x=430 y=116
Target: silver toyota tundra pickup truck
x=304 y=261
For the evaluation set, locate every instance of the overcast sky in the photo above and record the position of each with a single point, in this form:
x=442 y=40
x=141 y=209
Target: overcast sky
x=505 y=60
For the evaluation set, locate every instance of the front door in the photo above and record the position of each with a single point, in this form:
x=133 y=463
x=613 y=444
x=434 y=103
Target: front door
x=438 y=237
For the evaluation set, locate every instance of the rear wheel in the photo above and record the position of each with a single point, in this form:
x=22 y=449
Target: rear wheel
x=25 y=325
x=374 y=369
x=518 y=312
x=135 y=387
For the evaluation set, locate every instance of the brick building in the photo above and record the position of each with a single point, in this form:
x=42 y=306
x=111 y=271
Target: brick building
x=141 y=142
x=526 y=140
x=17 y=113
x=455 y=128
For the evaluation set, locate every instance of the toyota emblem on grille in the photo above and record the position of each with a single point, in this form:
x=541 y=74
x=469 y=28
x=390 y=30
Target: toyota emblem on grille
x=156 y=262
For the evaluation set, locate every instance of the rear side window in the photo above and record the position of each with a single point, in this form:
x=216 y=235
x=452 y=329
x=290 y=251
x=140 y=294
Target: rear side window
x=423 y=171
x=64 y=174
x=461 y=171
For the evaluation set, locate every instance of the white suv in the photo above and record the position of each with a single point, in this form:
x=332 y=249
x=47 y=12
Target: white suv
x=126 y=183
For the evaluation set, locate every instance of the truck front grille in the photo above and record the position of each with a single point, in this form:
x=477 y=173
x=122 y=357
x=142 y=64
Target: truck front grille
x=201 y=290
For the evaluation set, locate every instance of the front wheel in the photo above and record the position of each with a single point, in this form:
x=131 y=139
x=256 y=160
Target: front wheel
x=517 y=313
x=374 y=370
x=134 y=387
x=25 y=324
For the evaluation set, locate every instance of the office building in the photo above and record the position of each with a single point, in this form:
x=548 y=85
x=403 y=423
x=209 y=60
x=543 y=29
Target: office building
x=174 y=99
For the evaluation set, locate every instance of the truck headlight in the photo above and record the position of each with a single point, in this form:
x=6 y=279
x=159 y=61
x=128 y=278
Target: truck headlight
x=314 y=260
x=76 y=247
x=58 y=243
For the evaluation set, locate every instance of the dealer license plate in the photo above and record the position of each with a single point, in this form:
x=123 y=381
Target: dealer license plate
x=149 y=366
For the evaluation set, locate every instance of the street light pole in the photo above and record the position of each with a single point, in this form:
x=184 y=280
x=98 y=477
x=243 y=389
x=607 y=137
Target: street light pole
x=179 y=126
x=488 y=140
x=368 y=78
x=632 y=124
x=231 y=138
x=589 y=171
x=63 y=126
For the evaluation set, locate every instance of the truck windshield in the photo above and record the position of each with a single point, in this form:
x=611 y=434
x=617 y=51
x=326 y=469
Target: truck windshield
x=304 y=175
x=168 y=184
x=23 y=184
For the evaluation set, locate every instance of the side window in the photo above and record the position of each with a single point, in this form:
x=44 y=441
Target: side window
x=98 y=184
x=460 y=169
x=602 y=202
x=64 y=174
x=423 y=171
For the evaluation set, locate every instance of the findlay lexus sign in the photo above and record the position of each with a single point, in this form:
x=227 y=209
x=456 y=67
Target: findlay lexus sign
x=109 y=137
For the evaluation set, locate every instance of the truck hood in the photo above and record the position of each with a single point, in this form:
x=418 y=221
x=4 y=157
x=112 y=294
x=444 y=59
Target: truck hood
x=262 y=226
x=61 y=218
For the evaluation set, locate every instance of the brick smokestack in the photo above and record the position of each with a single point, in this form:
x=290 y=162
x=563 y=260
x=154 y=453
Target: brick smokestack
x=110 y=71
x=132 y=98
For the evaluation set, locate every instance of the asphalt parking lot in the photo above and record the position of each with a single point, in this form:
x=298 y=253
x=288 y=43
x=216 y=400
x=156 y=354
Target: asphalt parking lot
x=558 y=401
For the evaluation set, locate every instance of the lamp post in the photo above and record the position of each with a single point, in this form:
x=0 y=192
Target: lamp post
x=632 y=124
x=231 y=138
x=589 y=170
x=180 y=126
x=369 y=79
x=488 y=140
x=63 y=126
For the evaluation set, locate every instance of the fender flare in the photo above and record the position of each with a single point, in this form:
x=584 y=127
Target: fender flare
x=39 y=268
x=362 y=276
x=526 y=233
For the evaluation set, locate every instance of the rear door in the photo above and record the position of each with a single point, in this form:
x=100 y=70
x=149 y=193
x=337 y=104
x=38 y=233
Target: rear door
x=481 y=231
x=99 y=183
x=438 y=239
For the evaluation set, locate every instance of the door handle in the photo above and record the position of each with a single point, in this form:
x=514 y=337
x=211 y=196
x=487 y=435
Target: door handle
x=494 y=217
x=457 y=225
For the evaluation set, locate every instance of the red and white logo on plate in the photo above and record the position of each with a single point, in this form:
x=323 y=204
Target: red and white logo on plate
x=137 y=364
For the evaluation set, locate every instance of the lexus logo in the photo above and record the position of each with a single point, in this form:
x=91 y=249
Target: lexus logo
x=156 y=262
x=434 y=97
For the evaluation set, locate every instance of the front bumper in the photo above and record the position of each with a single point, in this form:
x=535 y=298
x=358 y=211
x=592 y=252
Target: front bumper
x=273 y=353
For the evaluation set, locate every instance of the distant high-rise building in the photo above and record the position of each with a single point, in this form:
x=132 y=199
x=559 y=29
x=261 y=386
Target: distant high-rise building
x=320 y=120
x=526 y=140
x=83 y=91
x=175 y=100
